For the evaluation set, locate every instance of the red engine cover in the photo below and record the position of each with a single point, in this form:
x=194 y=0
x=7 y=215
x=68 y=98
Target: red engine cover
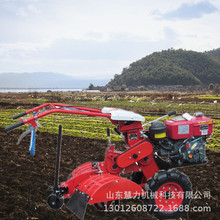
x=180 y=128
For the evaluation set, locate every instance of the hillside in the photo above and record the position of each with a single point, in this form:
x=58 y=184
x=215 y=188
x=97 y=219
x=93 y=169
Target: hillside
x=170 y=67
x=215 y=54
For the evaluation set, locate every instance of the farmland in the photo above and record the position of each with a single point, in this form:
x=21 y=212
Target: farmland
x=150 y=105
x=25 y=179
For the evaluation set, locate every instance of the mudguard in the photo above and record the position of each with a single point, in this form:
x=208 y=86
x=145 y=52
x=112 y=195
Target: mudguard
x=107 y=187
x=102 y=188
x=81 y=173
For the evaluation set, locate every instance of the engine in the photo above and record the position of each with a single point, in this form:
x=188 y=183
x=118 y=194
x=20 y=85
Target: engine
x=182 y=139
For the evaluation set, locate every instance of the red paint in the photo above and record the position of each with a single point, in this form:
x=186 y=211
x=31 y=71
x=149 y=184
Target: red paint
x=186 y=129
x=102 y=178
x=169 y=196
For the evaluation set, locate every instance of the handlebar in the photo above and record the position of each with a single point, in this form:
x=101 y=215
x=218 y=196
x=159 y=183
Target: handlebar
x=19 y=115
x=12 y=127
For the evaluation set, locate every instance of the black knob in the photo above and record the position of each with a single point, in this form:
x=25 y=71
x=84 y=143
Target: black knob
x=114 y=166
x=146 y=159
x=135 y=156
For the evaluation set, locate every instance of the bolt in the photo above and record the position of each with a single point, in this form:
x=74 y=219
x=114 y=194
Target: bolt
x=175 y=189
x=159 y=200
x=91 y=199
x=139 y=152
x=172 y=202
x=169 y=188
x=139 y=170
x=129 y=157
x=116 y=181
x=163 y=187
x=84 y=185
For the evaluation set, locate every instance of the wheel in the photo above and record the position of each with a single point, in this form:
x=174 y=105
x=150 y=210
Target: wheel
x=166 y=193
x=55 y=201
x=138 y=177
x=102 y=205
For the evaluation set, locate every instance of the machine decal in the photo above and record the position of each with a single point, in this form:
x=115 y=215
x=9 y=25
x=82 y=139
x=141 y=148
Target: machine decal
x=183 y=129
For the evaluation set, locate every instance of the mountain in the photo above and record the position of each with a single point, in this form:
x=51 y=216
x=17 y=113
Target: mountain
x=214 y=54
x=170 y=67
x=44 y=80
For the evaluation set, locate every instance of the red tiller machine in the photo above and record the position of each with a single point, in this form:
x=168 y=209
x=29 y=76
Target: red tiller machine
x=150 y=156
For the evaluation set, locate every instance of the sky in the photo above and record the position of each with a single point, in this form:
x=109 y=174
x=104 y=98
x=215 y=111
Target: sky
x=96 y=39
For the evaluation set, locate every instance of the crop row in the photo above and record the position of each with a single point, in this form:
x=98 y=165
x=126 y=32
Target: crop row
x=88 y=127
x=140 y=106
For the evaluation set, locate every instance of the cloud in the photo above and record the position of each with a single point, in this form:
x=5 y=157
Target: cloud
x=121 y=46
x=100 y=37
x=189 y=11
x=22 y=12
x=33 y=9
x=93 y=58
x=27 y=11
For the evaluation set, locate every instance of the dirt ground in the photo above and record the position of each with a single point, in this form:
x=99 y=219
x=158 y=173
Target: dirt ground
x=25 y=179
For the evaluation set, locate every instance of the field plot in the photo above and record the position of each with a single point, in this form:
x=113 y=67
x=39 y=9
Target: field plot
x=151 y=105
x=25 y=179
x=95 y=128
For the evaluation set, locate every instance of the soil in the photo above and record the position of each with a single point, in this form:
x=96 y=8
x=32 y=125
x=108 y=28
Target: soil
x=25 y=179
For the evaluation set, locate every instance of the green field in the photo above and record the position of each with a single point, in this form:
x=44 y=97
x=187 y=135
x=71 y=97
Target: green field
x=90 y=127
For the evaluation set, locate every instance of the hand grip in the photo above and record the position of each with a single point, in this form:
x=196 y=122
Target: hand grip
x=12 y=127
x=19 y=115
x=171 y=113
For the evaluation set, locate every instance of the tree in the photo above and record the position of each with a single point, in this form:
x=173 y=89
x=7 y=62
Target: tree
x=91 y=86
x=123 y=87
x=211 y=86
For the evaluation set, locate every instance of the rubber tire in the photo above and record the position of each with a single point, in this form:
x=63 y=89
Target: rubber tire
x=54 y=201
x=154 y=183
x=137 y=177
x=101 y=205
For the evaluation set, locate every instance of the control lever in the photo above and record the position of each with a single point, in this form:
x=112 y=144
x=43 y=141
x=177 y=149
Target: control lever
x=119 y=133
x=108 y=134
x=167 y=115
x=143 y=134
x=25 y=133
